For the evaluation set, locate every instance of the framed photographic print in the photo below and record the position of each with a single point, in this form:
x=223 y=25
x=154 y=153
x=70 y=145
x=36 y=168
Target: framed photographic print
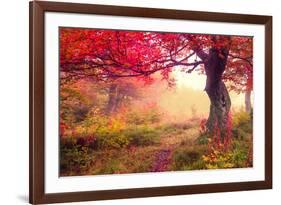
x=139 y=102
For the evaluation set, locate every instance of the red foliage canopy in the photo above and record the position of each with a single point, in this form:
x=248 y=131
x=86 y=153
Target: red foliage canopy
x=110 y=54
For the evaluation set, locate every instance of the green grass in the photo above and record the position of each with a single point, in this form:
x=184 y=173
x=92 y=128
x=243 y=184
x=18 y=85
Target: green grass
x=188 y=157
x=134 y=148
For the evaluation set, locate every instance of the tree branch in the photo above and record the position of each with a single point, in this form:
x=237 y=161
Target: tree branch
x=247 y=59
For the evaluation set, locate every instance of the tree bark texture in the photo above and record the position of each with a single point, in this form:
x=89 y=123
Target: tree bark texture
x=217 y=92
x=114 y=98
x=248 y=105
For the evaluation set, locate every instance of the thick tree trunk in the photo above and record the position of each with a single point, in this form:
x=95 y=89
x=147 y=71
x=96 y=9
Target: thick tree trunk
x=115 y=97
x=248 y=105
x=112 y=99
x=219 y=109
x=217 y=92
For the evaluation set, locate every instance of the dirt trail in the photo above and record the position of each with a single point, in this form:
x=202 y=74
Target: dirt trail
x=164 y=155
x=163 y=158
x=168 y=145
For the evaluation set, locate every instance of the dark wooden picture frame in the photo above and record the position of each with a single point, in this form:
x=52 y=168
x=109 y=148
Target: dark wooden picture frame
x=37 y=193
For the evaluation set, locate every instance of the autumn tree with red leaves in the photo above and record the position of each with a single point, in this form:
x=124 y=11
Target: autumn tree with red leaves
x=239 y=72
x=110 y=55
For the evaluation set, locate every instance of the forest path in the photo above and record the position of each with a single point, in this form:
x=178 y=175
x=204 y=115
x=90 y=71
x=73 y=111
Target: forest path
x=168 y=145
x=157 y=157
x=163 y=159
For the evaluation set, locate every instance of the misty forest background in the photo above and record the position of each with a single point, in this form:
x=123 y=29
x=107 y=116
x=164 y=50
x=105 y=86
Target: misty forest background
x=153 y=128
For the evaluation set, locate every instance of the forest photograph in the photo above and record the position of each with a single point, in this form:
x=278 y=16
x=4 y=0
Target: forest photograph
x=143 y=101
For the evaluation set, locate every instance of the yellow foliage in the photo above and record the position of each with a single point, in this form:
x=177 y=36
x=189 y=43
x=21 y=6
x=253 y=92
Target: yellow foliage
x=218 y=158
x=240 y=117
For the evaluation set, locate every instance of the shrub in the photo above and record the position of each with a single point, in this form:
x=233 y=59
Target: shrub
x=240 y=157
x=112 y=167
x=232 y=158
x=142 y=135
x=115 y=132
x=240 y=153
x=187 y=142
x=149 y=115
x=168 y=128
x=75 y=155
x=239 y=133
x=199 y=164
x=115 y=138
x=119 y=138
x=185 y=159
x=112 y=140
x=218 y=159
x=203 y=139
x=243 y=121
x=176 y=127
x=73 y=104
x=107 y=131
